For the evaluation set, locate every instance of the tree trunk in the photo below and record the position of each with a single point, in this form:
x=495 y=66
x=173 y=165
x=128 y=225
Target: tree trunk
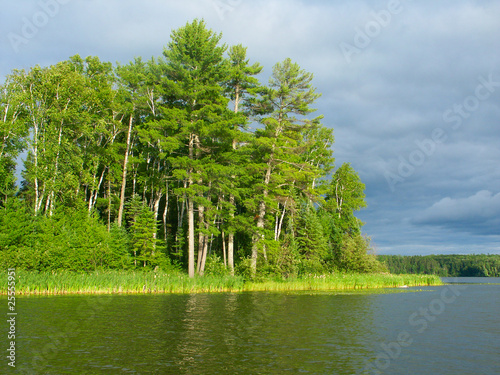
x=124 y=175
x=201 y=237
x=230 y=236
x=109 y=202
x=50 y=197
x=165 y=211
x=190 y=237
x=156 y=209
x=95 y=193
x=191 y=212
x=259 y=236
x=224 y=252
x=34 y=149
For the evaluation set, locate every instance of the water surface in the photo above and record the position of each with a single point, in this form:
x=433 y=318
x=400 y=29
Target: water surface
x=451 y=329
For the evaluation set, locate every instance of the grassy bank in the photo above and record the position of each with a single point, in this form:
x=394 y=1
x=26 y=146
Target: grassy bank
x=107 y=282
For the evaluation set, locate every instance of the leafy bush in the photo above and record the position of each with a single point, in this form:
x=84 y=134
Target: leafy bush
x=215 y=267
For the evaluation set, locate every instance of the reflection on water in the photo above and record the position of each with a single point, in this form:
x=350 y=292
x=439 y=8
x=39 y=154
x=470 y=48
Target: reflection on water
x=258 y=333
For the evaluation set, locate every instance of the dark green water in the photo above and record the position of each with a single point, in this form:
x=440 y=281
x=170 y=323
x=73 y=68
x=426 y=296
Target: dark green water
x=436 y=330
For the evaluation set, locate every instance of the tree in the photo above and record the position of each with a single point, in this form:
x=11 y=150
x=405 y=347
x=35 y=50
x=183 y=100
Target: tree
x=173 y=135
x=195 y=70
x=132 y=97
x=241 y=84
x=355 y=255
x=13 y=132
x=277 y=145
x=143 y=228
x=312 y=241
x=345 y=195
x=57 y=107
x=100 y=130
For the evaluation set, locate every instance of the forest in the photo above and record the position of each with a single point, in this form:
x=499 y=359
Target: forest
x=184 y=161
x=473 y=265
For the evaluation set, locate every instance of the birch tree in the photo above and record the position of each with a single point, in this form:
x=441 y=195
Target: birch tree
x=13 y=132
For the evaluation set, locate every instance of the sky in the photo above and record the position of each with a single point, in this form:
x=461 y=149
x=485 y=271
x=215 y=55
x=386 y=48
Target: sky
x=411 y=89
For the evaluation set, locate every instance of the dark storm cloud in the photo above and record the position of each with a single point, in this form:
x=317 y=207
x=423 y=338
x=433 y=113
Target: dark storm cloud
x=411 y=88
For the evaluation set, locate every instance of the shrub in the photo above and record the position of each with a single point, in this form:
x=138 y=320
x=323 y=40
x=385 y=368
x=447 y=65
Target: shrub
x=215 y=267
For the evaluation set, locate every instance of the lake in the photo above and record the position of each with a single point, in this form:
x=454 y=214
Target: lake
x=451 y=329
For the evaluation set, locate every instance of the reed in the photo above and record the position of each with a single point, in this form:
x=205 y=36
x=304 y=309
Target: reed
x=109 y=282
x=344 y=281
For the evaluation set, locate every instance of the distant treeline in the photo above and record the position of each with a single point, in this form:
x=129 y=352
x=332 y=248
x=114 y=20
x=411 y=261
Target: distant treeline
x=444 y=265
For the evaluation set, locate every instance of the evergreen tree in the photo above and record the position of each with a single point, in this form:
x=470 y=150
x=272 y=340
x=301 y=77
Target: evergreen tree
x=241 y=85
x=277 y=147
x=195 y=71
x=312 y=241
x=143 y=228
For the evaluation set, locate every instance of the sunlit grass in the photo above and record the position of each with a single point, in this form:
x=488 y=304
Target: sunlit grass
x=344 y=281
x=109 y=282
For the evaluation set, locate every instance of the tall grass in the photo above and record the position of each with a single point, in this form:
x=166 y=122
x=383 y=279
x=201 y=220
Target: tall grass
x=344 y=281
x=108 y=282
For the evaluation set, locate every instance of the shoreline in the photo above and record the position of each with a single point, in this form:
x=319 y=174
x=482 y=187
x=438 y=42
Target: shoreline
x=133 y=282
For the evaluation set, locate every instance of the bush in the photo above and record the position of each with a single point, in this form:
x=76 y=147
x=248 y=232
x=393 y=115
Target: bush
x=215 y=267
x=244 y=269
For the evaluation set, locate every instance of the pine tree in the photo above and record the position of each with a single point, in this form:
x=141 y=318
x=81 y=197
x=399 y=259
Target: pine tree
x=277 y=147
x=312 y=241
x=242 y=84
x=195 y=71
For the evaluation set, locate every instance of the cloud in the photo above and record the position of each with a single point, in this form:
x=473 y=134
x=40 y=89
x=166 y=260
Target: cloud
x=478 y=214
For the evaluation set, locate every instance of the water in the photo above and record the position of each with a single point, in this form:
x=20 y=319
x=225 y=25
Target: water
x=452 y=329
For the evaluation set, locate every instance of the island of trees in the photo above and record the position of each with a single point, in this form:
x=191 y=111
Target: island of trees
x=184 y=161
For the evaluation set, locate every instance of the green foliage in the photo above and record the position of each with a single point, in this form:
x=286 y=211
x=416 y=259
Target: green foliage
x=289 y=262
x=312 y=242
x=215 y=267
x=143 y=229
x=354 y=255
x=244 y=269
x=311 y=239
x=119 y=246
x=71 y=239
x=17 y=234
x=480 y=265
x=345 y=195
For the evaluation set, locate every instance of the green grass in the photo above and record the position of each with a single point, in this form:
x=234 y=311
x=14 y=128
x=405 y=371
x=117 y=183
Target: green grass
x=344 y=281
x=108 y=282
